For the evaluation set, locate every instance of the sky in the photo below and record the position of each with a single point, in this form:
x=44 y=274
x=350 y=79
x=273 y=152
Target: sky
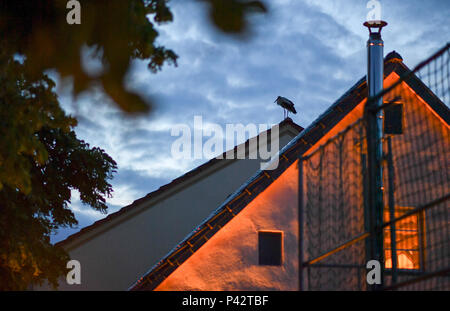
x=308 y=51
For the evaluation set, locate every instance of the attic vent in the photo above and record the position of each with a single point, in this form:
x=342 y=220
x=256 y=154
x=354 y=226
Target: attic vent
x=270 y=248
x=393 y=119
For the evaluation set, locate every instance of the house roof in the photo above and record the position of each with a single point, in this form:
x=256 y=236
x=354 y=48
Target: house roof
x=286 y=123
x=288 y=155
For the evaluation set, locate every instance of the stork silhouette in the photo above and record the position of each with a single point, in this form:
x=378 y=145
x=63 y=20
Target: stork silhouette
x=287 y=105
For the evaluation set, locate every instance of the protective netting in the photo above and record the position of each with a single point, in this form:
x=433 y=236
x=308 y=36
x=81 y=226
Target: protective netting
x=420 y=180
x=333 y=211
x=416 y=189
x=435 y=73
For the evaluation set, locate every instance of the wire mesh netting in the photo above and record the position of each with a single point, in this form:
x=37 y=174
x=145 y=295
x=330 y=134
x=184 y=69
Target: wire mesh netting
x=416 y=186
x=333 y=212
x=417 y=181
x=435 y=73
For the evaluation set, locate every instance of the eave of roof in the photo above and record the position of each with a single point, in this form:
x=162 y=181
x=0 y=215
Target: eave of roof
x=179 y=180
x=262 y=179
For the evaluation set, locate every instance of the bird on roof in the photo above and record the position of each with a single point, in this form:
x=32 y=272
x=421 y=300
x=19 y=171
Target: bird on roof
x=287 y=105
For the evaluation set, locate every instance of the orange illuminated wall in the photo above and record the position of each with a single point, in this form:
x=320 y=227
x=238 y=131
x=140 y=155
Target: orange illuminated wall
x=420 y=156
x=419 y=121
x=229 y=260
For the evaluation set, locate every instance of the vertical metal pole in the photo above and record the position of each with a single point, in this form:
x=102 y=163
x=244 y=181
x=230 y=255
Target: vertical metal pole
x=300 y=224
x=391 y=187
x=365 y=181
x=373 y=115
x=423 y=240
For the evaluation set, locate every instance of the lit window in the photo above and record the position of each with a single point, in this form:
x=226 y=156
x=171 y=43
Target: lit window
x=410 y=243
x=270 y=248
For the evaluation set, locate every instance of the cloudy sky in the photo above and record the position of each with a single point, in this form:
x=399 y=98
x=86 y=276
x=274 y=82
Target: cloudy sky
x=308 y=51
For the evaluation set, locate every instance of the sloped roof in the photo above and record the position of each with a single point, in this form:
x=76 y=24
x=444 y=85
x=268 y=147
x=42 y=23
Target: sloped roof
x=288 y=155
x=184 y=178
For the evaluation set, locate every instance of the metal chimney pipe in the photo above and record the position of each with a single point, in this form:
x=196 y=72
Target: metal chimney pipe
x=374 y=127
x=375 y=60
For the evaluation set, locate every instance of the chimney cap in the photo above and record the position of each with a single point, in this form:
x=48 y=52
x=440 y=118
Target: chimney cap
x=375 y=24
x=393 y=57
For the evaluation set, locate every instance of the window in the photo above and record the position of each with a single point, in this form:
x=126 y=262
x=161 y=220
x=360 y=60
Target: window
x=270 y=248
x=410 y=241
